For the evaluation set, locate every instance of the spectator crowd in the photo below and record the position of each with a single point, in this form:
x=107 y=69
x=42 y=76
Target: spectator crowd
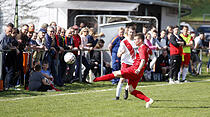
x=35 y=58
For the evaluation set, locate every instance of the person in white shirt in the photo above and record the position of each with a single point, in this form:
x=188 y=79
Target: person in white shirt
x=127 y=53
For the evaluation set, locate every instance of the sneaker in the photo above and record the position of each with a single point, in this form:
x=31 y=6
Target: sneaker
x=117 y=98
x=17 y=89
x=149 y=103
x=126 y=94
x=53 y=90
x=177 y=82
x=171 y=81
x=185 y=81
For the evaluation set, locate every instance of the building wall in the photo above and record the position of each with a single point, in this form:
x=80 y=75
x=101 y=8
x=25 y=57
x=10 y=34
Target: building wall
x=168 y=17
x=32 y=11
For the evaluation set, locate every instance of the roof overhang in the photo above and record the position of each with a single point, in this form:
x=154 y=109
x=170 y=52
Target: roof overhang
x=95 y=5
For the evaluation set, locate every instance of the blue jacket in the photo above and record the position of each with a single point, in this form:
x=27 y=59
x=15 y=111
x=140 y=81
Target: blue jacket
x=116 y=43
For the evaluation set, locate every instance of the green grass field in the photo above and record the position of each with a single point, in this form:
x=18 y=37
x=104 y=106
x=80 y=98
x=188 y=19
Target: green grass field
x=95 y=100
x=199 y=7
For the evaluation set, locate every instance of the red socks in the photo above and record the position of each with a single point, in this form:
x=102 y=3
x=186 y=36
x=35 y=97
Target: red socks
x=54 y=87
x=140 y=95
x=104 y=78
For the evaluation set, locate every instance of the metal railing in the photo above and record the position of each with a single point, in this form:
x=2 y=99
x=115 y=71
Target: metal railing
x=81 y=52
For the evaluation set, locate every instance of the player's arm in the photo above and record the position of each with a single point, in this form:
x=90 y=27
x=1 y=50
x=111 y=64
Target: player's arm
x=121 y=50
x=140 y=66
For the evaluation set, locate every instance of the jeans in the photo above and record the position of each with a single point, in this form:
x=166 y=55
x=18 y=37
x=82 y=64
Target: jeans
x=52 y=65
x=78 y=68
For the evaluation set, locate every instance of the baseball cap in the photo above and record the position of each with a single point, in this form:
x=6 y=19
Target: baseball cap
x=42 y=30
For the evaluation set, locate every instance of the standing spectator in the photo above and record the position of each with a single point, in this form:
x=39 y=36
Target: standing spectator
x=147 y=41
x=196 y=62
x=113 y=47
x=155 y=42
x=7 y=57
x=176 y=43
x=69 y=45
x=14 y=41
x=41 y=42
x=84 y=45
x=51 y=54
x=127 y=54
x=186 y=53
x=23 y=42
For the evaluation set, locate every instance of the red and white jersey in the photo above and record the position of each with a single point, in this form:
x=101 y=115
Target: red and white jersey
x=143 y=53
x=130 y=52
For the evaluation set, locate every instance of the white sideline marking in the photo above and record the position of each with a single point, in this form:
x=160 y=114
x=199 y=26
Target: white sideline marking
x=94 y=91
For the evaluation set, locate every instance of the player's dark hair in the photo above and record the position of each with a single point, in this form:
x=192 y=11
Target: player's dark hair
x=140 y=35
x=132 y=28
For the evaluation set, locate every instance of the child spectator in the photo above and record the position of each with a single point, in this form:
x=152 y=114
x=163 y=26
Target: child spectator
x=37 y=81
x=45 y=72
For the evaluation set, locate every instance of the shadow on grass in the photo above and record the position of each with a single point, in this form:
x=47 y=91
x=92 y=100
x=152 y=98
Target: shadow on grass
x=180 y=100
x=180 y=107
x=82 y=86
x=14 y=93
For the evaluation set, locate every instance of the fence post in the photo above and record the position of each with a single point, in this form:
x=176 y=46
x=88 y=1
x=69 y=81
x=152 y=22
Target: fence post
x=201 y=60
x=102 y=57
x=80 y=66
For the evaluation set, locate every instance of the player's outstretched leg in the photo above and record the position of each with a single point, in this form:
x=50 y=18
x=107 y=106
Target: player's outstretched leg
x=108 y=76
x=104 y=78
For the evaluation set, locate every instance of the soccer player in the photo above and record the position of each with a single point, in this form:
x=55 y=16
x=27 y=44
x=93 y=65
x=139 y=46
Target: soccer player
x=135 y=72
x=127 y=54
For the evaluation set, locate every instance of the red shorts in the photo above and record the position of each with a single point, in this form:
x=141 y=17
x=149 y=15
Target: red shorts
x=129 y=73
x=124 y=66
x=186 y=58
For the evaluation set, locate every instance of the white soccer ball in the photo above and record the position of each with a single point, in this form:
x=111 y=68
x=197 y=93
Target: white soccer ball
x=69 y=58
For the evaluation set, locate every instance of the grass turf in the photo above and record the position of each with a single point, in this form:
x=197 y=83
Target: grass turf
x=87 y=100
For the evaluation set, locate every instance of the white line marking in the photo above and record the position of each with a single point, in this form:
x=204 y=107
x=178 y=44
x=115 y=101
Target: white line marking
x=94 y=91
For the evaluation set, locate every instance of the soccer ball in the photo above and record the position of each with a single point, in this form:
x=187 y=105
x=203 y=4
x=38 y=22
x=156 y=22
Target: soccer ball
x=69 y=58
